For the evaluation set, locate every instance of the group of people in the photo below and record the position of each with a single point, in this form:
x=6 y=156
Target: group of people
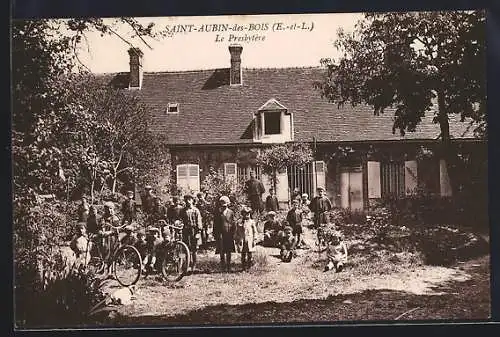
x=196 y=214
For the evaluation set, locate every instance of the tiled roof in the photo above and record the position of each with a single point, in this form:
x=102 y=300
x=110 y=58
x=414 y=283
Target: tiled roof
x=213 y=112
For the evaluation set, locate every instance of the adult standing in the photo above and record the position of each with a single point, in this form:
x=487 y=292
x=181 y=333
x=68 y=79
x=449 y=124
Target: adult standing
x=191 y=218
x=203 y=206
x=224 y=230
x=147 y=199
x=254 y=190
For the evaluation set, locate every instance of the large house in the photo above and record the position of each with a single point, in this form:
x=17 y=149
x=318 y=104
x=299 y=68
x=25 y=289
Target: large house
x=222 y=118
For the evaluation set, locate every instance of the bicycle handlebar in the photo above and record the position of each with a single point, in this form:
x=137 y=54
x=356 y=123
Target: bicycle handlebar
x=165 y=224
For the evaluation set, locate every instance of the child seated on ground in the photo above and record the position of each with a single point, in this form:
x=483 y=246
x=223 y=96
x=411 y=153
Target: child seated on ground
x=153 y=245
x=336 y=252
x=288 y=244
x=273 y=230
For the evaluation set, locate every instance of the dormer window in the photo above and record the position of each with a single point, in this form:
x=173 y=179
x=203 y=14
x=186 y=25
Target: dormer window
x=273 y=123
x=173 y=108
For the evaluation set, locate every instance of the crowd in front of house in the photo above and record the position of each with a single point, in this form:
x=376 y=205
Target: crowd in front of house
x=195 y=215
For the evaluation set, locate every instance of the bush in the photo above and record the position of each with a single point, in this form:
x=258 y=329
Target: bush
x=380 y=221
x=47 y=291
x=61 y=297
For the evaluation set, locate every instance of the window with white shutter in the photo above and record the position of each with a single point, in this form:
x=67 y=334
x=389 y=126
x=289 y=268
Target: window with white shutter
x=230 y=172
x=188 y=177
x=320 y=168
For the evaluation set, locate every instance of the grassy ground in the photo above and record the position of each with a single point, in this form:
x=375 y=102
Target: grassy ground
x=381 y=282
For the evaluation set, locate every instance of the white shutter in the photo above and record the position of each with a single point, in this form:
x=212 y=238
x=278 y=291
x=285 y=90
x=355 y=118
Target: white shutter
x=444 y=179
x=182 y=176
x=194 y=178
x=230 y=173
x=374 y=190
x=282 y=185
x=411 y=176
x=188 y=177
x=319 y=170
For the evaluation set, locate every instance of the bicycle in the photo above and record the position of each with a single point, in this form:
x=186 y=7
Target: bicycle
x=123 y=260
x=176 y=258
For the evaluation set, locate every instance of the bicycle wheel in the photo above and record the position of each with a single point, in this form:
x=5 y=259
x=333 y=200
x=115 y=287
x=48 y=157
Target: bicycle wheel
x=127 y=265
x=176 y=261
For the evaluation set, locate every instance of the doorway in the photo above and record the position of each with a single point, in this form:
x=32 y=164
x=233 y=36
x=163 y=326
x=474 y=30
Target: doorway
x=351 y=187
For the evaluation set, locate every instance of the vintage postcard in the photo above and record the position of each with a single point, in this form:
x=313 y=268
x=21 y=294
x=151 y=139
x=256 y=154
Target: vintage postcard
x=250 y=169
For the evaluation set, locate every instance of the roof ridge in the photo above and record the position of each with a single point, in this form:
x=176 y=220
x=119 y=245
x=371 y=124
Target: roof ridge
x=225 y=68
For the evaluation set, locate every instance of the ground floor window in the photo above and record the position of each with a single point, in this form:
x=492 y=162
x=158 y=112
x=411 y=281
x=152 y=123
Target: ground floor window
x=188 y=177
x=243 y=172
x=428 y=176
x=392 y=179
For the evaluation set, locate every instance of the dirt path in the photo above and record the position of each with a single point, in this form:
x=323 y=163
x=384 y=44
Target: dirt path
x=302 y=279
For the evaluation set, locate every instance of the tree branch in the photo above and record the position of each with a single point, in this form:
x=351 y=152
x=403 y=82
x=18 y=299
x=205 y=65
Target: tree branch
x=131 y=24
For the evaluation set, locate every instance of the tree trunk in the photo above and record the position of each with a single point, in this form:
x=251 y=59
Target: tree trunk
x=448 y=150
x=113 y=188
x=92 y=186
x=275 y=181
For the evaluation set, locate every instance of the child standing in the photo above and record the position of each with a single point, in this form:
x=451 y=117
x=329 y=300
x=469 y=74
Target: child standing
x=337 y=252
x=320 y=205
x=272 y=203
x=246 y=237
x=81 y=245
x=294 y=219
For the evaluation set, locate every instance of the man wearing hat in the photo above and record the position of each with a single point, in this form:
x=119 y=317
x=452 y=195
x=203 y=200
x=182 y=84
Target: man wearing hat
x=147 y=199
x=191 y=218
x=320 y=205
x=224 y=229
x=128 y=208
x=254 y=190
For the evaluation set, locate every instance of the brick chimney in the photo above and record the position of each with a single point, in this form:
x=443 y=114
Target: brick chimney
x=135 y=68
x=235 y=72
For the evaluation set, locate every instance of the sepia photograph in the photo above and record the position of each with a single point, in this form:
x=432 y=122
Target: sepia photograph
x=250 y=169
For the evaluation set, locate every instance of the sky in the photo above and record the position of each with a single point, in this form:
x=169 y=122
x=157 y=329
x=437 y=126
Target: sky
x=280 y=41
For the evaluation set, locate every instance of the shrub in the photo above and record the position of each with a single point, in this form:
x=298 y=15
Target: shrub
x=380 y=221
x=61 y=297
x=47 y=291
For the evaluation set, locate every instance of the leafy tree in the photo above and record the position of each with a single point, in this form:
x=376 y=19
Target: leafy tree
x=48 y=148
x=415 y=63
x=278 y=157
x=114 y=129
